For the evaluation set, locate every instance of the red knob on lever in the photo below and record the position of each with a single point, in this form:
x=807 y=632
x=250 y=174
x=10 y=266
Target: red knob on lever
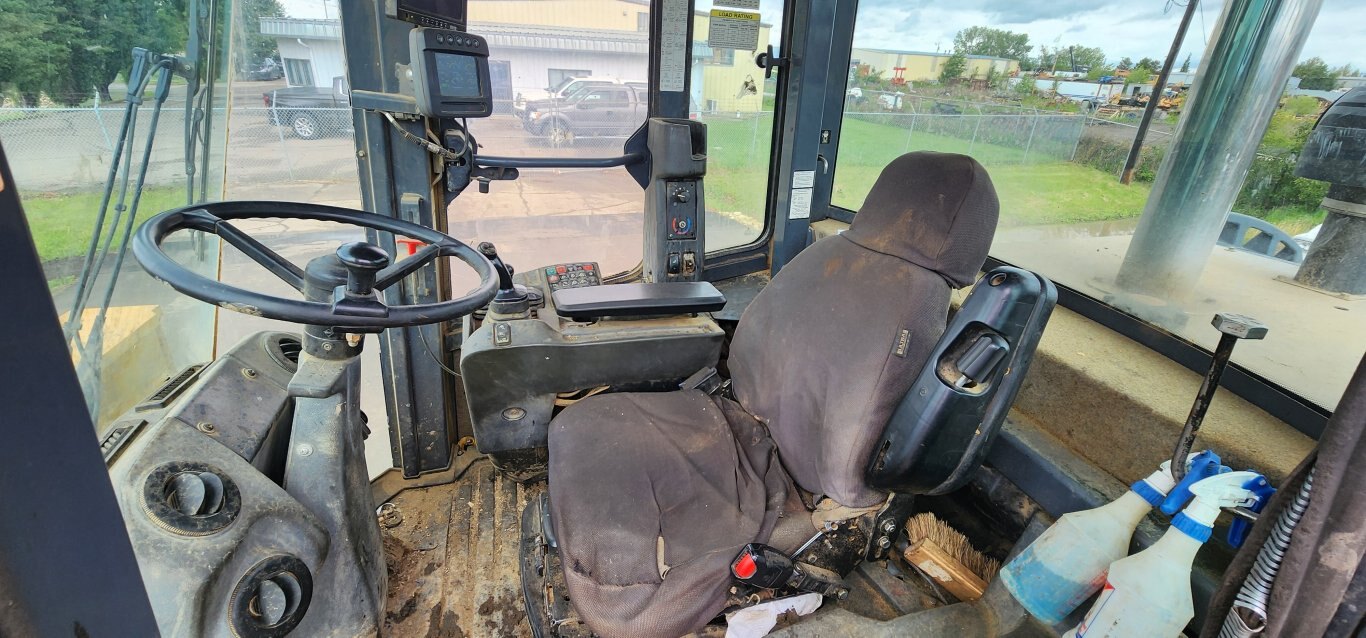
x=411 y=244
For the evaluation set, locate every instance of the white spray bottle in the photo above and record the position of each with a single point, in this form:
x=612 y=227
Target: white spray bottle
x=1066 y=564
x=1149 y=594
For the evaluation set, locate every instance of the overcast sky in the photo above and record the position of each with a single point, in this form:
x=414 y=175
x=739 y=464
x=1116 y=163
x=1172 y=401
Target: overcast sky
x=1122 y=28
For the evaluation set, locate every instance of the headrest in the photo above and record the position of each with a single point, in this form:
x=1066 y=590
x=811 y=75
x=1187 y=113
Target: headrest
x=935 y=210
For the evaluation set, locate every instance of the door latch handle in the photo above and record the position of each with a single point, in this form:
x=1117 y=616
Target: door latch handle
x=766 y=61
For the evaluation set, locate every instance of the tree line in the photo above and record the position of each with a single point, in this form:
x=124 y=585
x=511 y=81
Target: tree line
x=71 y=50
x=1314 y=73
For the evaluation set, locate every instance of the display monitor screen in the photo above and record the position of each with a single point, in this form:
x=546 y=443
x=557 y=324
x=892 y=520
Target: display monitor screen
x=443 y=14
x=457 y=75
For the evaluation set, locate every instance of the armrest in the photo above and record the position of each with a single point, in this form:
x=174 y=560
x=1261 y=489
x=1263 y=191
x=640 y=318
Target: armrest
x=637 y=300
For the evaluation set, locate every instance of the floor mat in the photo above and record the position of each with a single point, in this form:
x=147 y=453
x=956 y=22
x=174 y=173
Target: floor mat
x=453 y=560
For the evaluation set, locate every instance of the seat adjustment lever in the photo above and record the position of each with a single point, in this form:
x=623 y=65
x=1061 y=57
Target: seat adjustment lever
x=761 y=566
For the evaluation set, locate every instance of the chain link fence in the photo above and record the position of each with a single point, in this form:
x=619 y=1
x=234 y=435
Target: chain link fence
x=56 y=150
x=63 y=150
x=999 y=134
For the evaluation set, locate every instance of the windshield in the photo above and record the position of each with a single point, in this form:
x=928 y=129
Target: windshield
x=1054 y=113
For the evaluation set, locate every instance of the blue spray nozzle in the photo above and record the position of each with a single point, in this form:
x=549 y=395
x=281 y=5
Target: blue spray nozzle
x=1201 y=466
x=1262 y=490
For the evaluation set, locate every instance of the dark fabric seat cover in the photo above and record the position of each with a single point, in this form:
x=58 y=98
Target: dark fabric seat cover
x=653 y=494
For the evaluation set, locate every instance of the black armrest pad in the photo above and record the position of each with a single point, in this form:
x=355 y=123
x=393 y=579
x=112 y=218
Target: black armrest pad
x=637 y=300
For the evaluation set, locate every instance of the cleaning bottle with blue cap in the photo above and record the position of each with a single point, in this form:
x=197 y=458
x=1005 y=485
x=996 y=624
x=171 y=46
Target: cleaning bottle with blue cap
x=1066 y=565
x=1149 y=594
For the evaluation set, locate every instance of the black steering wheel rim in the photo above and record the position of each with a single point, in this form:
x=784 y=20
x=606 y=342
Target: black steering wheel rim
x=214 y=217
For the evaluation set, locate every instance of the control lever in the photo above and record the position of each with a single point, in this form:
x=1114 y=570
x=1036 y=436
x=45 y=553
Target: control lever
x=762 y=566
x=512 y=299
x=486 y=174
x=980 y=360
x=1233 y=327
x=362 y=261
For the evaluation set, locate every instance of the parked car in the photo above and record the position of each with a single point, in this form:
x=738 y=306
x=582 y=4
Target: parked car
x=269 y=69
x=593 y=110
x=564 y=89
x=311 y=111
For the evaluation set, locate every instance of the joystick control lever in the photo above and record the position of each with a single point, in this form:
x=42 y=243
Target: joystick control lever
x=511 y=301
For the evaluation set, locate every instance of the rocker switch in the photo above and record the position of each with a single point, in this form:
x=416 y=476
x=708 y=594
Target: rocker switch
x=674 y=265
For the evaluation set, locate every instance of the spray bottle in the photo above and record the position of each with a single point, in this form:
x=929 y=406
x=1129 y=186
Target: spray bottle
x=1149 y=593
x=1066 y=565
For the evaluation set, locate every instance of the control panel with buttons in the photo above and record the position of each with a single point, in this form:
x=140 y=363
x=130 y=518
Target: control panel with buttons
x=575 y=275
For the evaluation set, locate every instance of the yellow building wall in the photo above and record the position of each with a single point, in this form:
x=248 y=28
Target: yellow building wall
x=721 y=83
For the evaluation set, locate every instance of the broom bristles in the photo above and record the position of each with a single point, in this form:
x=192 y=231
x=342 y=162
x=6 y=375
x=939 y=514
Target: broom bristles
x=925 y=526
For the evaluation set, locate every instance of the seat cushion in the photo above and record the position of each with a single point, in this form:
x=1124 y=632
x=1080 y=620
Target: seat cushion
x=652 y=495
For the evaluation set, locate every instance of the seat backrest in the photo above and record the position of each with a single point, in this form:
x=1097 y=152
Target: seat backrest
x=826 y=352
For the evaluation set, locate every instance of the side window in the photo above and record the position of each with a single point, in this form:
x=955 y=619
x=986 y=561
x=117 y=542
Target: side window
x=1054 y=122
x=606 y=98
x=298 y=72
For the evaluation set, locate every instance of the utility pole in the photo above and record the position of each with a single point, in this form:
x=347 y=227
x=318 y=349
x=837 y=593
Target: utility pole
x=1127 y=175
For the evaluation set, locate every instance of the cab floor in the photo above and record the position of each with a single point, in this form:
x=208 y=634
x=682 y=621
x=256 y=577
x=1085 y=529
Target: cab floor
x=453 y=560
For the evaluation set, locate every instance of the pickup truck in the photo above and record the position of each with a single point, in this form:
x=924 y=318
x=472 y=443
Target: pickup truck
x=591 y=111
x=309 y=111
x=564 y=89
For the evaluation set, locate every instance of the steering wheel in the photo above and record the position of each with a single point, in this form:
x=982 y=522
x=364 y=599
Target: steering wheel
x=351 y=299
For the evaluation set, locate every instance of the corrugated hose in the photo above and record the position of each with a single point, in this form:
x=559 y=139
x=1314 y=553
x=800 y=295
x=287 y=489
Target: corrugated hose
x=1248 y=615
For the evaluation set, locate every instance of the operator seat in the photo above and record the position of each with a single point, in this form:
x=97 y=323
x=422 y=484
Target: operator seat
x=653 y=494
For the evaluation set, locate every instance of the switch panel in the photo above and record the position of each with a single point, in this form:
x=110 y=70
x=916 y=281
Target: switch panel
x=576 y=275
x=682 y=212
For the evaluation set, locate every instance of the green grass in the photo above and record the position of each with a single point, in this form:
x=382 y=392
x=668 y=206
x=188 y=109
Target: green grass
x=1052 y=192
x=62 y=223
x=1048 y=193
x=1294 y=219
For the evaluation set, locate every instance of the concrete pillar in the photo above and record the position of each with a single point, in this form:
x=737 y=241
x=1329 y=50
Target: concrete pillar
x=1239 y=84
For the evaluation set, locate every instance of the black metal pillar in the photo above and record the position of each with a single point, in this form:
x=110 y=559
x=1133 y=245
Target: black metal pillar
x=66 y=565
x=1131 y=162
x=397 y=180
